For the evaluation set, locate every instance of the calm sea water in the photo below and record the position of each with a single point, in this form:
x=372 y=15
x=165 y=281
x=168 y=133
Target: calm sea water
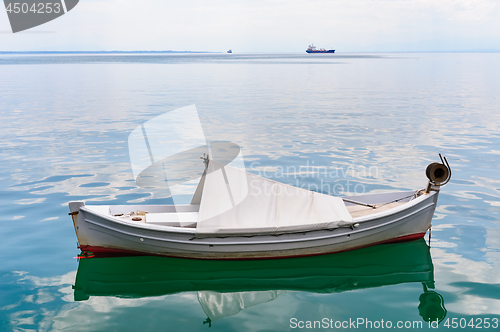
x=373 y=120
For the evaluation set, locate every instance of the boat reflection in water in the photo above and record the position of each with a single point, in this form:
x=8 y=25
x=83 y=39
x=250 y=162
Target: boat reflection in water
x=226 y=287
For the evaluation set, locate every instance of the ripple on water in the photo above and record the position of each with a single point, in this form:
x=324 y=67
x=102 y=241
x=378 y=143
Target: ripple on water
x=389 y=116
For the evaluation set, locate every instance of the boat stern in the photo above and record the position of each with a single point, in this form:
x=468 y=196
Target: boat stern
x=76 y=215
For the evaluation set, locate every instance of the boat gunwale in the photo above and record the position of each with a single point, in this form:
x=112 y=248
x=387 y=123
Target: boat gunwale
x=221 y=239
x=146 y=226
x=188 y=230
x=294 y=240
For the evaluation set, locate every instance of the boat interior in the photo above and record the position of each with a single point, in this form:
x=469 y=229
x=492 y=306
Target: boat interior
x=186 y=216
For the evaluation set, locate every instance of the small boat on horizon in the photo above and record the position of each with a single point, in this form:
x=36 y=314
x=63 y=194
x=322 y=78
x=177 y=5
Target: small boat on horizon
x=313 y=49
x=229 y=51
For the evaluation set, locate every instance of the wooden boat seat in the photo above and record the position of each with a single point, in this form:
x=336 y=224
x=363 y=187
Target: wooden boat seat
x=361 y=211
x=180 y=219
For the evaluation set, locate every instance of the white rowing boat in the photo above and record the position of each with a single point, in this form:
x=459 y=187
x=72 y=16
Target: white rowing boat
x=239 y=215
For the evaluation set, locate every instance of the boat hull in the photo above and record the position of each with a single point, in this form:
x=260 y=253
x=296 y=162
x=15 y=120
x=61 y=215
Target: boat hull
x=101 y=233
x=328 y=51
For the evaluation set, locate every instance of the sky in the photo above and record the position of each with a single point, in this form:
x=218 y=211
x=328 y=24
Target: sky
x=265 y=26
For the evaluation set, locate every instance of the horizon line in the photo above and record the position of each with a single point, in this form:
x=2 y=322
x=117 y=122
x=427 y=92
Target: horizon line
x=171 y=51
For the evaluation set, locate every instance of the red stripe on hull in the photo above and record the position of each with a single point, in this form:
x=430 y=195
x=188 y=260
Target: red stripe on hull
x=405 y=238
x=112 y=252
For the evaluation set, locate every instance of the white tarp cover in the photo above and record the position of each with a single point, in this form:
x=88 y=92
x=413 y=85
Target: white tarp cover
x=236 y=202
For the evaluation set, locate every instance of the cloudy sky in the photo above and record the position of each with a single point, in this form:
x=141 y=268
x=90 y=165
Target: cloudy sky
x=265 y=26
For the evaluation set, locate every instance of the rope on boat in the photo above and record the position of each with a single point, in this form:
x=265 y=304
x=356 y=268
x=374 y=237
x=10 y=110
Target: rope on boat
x=374 y=206
x=396 y=200
x=359 y=203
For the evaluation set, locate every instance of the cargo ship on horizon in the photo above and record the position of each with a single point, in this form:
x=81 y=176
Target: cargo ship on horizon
x=313 y=49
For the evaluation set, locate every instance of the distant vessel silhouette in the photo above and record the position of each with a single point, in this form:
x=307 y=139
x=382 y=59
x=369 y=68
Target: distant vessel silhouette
x=313 y=49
